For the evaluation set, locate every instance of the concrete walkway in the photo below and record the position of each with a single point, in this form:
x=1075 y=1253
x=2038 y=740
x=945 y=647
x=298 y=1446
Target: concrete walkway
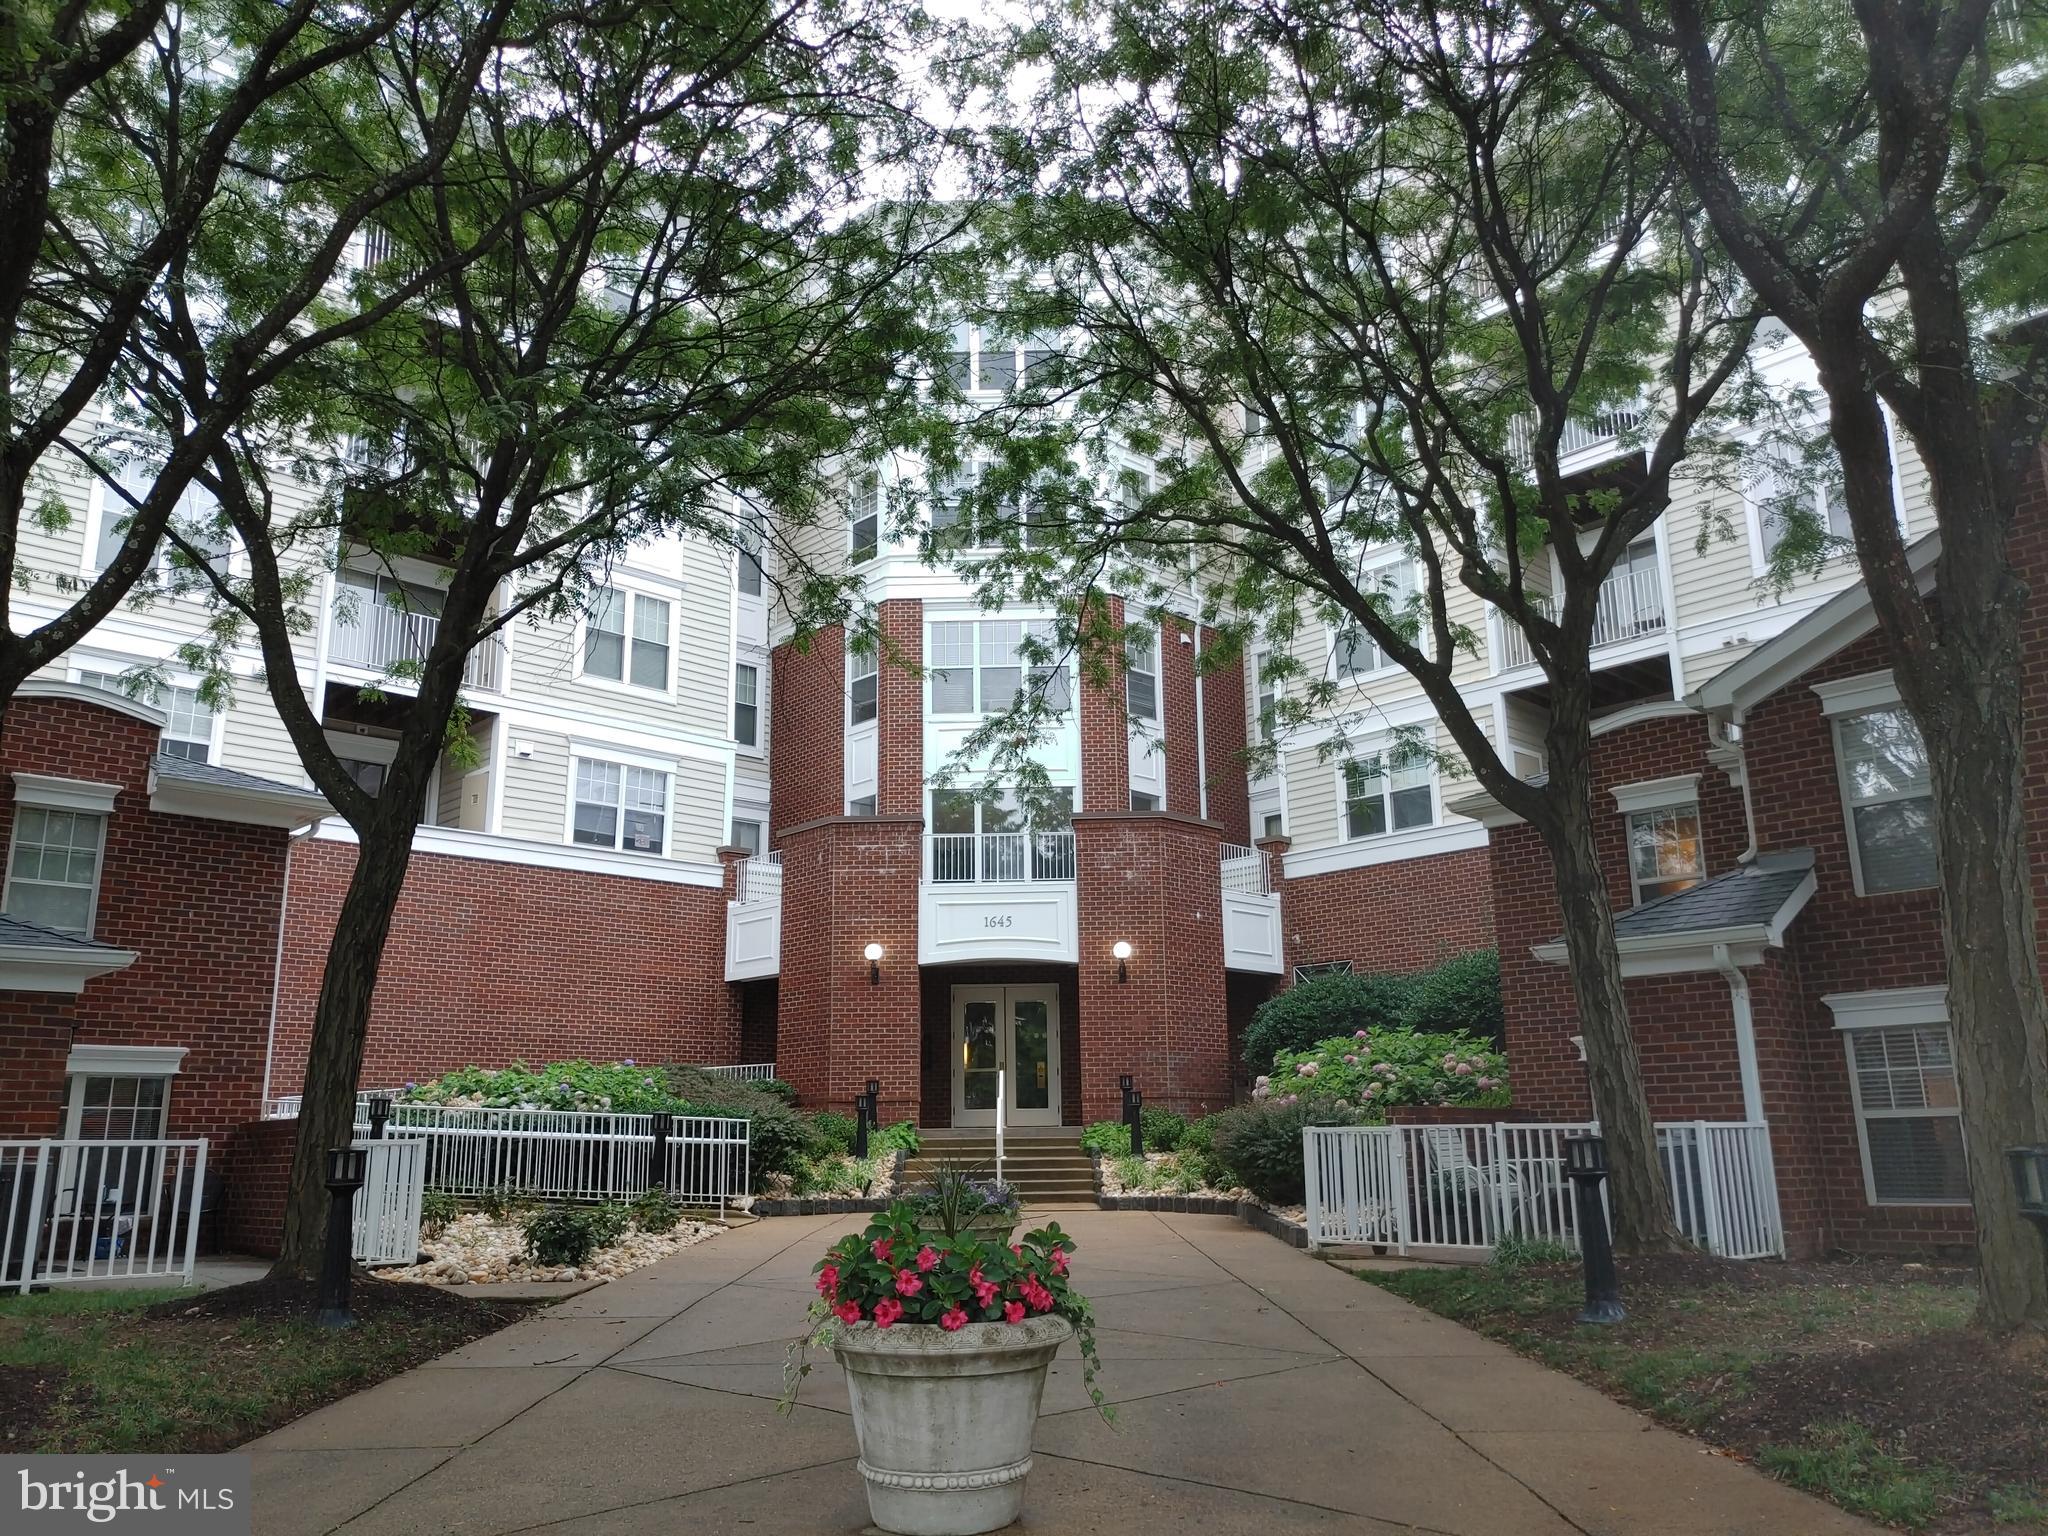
x=1259 y=1391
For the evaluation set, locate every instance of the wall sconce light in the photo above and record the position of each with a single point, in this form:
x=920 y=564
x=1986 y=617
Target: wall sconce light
x=1122 y=950
x=873 y=953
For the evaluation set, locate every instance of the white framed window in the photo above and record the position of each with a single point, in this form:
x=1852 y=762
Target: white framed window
x=1142 y=800
x=983 y=360
x=1141 y=675
x=1390 y=791
x=1266 y=703
x=864 y=519
x=747 y=572
x=626 y=639
x=1354 y=653
x=746 y=705
x=1908 y=1115
x=196 y=516
x=1665 y=851
x=863 y=682
x=53 y=867
x=1000 y=664
x=978 y=667
x=861 y=805
x=1275 y=825
x=749 y=834
x=1782 y=485
x=950 y=668
x=188 y=721
x=1887 y=797
x=619 y=805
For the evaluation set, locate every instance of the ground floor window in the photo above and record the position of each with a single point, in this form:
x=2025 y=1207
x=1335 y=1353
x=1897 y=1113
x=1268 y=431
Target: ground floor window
x=1908 y=1115
x=1664 y=851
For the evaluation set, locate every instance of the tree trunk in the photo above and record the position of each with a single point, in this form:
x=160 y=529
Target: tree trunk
x=1636 y=1192
x=341 y=1025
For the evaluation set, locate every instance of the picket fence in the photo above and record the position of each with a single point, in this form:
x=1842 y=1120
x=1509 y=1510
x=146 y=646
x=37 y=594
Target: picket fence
x=77 y=1210
x=1465 y=1187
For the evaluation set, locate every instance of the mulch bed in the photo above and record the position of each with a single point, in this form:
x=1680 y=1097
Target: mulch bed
x=26 y=1393
x=370 y=1301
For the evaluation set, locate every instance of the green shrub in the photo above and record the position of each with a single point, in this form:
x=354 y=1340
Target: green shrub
x=1390 y=1067
x=1196 y=1135
x=1461 y=995
x=437 y=1209
x=570 y=1234
x=777 y=1087
x=1112 y=1138
x=1259 y=1145
x=834 y=1130
x=1514 y=1252
x=1321 y=1007
x=900 y=1137
x=1163 y=1129
x=653 y=1211
x=623 y=1088
x=506 y=1200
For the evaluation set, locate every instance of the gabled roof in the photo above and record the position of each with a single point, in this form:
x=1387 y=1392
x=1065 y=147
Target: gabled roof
x=85 y=693
x=38 y=959
x=1835 y=625
x=1728 y=920
x=180 y=787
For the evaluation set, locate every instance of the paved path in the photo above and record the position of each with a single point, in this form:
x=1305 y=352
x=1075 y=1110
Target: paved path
x=1259 y=1391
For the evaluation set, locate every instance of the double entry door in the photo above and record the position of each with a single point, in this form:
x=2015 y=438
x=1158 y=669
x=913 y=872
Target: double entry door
x=1008 y=1036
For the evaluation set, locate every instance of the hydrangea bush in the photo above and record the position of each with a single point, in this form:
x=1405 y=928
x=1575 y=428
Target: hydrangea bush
x=623 y=1088
x=1370 y=1070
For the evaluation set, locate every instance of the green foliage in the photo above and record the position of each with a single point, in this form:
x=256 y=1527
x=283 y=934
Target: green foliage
x=1845 y=1462
x=955 y=1197
x=1197 y=1135
x=834 y=1130
x=1461 y=995
x=1517 y=1252
x=1323 y=1006
x=900 y=1137
x=503 y=1201
x=1162 y=1128
x=1112 y=1138
x=437 y=1209
x=837 y=1175
x=1259 y=1145
x=775 y=1085
x=653 y=1210
x=1391 y=1067
x=617 y=1087
x=569 y=1234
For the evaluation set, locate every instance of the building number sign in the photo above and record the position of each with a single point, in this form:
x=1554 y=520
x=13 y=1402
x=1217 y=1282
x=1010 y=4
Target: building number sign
x=998 y=920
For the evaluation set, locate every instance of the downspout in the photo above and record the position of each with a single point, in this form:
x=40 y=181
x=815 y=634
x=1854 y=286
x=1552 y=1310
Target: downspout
x=284 y=903
x=1745 y=1034
x=1201 y=728
x=1719 y=738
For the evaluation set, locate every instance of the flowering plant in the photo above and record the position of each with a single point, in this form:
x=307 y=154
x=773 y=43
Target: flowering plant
x=1370 y=1069
x=906 y=1269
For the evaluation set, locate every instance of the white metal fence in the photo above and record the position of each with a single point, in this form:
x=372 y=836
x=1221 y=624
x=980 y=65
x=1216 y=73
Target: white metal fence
x=75 y=1210
x=1246 y=870
x=758 y=881
x=748 y=1071
x=1468 y=1186
x=959 y=857
x=1631 y=605
x=387 y=1209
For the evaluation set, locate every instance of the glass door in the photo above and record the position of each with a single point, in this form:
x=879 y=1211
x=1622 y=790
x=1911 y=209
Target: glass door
x=1014 y=1031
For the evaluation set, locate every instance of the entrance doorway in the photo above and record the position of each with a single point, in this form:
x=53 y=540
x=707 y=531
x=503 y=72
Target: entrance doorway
x=1014 y=1031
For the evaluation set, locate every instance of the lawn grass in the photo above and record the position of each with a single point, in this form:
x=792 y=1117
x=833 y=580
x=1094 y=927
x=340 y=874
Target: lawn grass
x=177 y=1371
x=1861 y=1383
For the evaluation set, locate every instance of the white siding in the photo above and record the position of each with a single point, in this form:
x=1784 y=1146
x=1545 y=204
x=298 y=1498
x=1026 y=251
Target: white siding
x=537 y=786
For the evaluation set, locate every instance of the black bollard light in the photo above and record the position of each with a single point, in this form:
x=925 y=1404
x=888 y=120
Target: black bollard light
x=860 y=1125
x=380 y=1115
x=657 y=1162
x=2030 y=1185
x=1585 y=1164
x=1137 y=1123
x=874 y=1104
x=346 y=1169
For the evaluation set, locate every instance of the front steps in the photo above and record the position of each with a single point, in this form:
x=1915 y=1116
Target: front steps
x=1046 y=1167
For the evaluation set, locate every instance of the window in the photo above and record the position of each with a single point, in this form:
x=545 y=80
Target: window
x=1002 y=669
x=1141 y=800
x=1664 y=851
x=952 y=511
x=196 y=516
x=1908 y=1116
x=623 y=652
x=1390 y=791
x=862 y=805
x=979 y=667
x=747 y=834
x=1322 y=968
x=952 y=668
x=1889 y=800
x=619 y=806
x=1274 y=825
x=1268 y=704
x=1141 y=675
x=1784 y=485
x=861 y=669
x=1354 y=653
x=368 y=775
x=864 y=519
x=118 y=1108
x=54 y=867
x=188 y=726
x=746 y=705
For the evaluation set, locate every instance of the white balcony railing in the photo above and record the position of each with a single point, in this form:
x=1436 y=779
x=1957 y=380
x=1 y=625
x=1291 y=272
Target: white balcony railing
x=1246 y=871
x=759 y=880
x=377 y=636
x=1631 y=606
x=958 y=858
x=1604 y=431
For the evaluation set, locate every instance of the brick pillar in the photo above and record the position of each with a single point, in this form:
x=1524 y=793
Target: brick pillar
x=730 y=858
x=807 y=706
x=1154 y=880
x=848 y=881
x=1106 y=731
x=1223 y=738
x=1177 y=717
x=899 y=712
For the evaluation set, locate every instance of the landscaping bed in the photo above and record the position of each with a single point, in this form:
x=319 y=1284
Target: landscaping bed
x=1860 y=1382
x=174 y=1371
x=476 y=1249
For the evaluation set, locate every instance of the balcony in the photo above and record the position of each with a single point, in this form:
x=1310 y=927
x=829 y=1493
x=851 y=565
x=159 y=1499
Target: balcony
x=377 y=637
x=998 y=896
x=1583 y=444
x=954 y=858
x=1251 y=912
x=1631 y=607
x=753 y=919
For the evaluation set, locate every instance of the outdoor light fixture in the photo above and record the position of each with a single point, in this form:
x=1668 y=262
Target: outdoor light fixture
x=873 y=953
x=2030 y=1183
x=1585 y=1164
x=347 y=1167
x=380 y=1115
x=1122 y=950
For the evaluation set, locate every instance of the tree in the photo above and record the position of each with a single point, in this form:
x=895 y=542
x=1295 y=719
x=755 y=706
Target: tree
x=1351 y=277
x=155 y=151
x=684 y=297
x=1876 y=173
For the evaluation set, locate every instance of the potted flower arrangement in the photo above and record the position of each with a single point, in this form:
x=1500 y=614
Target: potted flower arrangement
x=958 y=1200
x=945 y=1339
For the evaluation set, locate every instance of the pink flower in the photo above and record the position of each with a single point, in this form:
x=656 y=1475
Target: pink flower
x=1360 y=1035
x=1036 y=1295
x=1013 y=1311
x=887 y=1310
x=1306 y=1069
x=1350 y=1060
x=953 y=1319
x=1372 y=1090
x=985 y=1295
x=847 y=1311
x=1464 y=1069
x=927 y=1258
x=880 y=1249
x=908 y=1283
x=1059 y=1261
x=828 y=1280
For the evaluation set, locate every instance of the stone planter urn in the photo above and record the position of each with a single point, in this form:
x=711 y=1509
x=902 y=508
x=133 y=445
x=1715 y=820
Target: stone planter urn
x=944 y=1419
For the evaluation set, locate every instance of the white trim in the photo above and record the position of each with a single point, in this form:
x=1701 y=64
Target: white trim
x=1637 y=714
x=85 y=693
x=1387 y=848
x=1859 y=694
x=58 y=968
x=1657 y=794
x=599 y=757
x=1864 y=1116
x=495 y=848
x=623 y=683
x=1657 y=806
x=125 y=1060
x=57 y=794
x=1889 y=1007
x=1384 y=749
x=251 y=807
x=1744 y=1020
x=1480 y=806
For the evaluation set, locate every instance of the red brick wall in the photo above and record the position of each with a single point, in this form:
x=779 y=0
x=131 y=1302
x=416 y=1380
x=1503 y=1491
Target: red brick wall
x=808 y=702
x=1223 y=714
x=35 y=1043
x=849 y=881
x=254 y=1218
x=1155 y=881
x=899 y=712
x=1106 y=733
x=492 y=963
x=1403 y=916
x=1177 y=718
x=198 y=901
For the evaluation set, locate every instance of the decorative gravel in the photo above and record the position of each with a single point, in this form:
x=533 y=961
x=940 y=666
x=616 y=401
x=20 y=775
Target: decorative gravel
x=476 y=1250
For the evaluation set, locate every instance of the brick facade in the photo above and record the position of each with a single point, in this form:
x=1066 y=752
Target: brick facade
x=1223 y=730
x=899 y=711
x=1407 y=915
x=807 y=707
x=1106 y=731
